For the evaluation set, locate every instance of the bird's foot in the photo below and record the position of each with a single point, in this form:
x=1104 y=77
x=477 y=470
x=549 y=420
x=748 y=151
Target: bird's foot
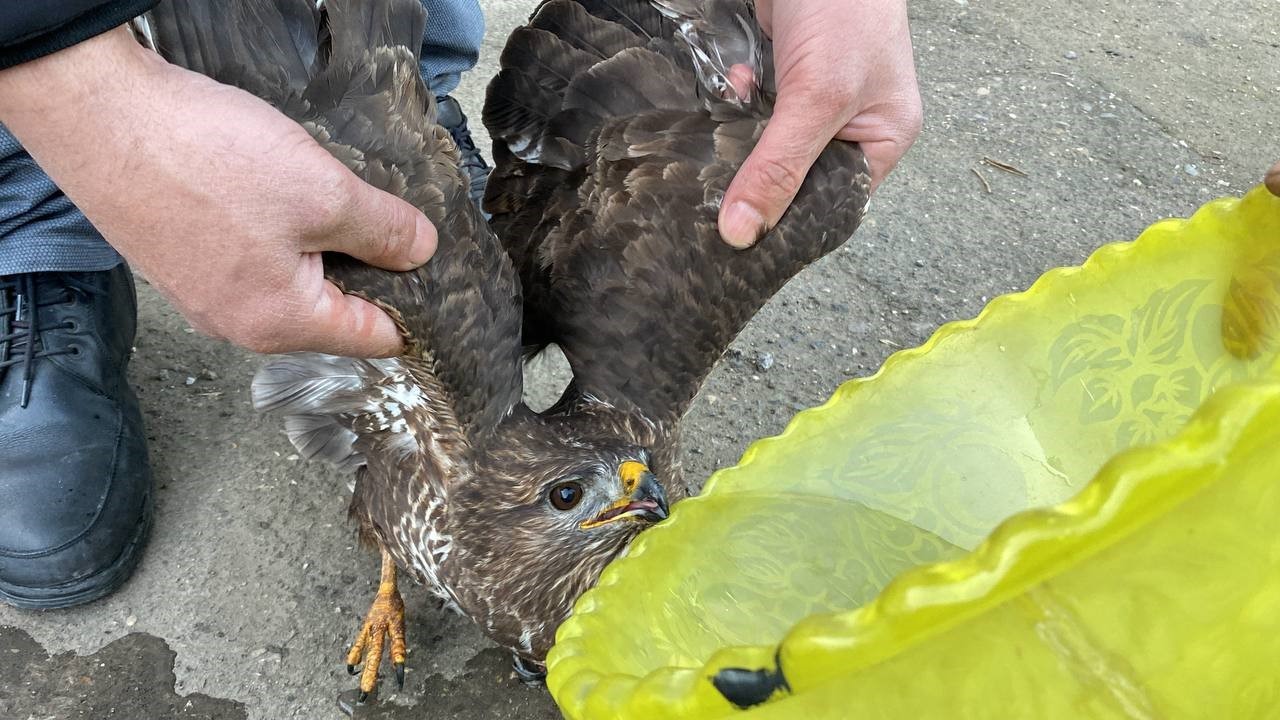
x=384 y=620
x=530 y=673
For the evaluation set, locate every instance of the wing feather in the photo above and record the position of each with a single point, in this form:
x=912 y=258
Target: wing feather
x=349 y=75
x=642 y=294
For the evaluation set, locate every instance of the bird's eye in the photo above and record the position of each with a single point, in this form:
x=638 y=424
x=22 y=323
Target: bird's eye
x=566 y=495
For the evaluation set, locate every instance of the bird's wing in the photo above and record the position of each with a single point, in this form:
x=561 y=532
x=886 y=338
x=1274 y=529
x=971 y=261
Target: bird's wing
x=617 y=130
x=348 y=73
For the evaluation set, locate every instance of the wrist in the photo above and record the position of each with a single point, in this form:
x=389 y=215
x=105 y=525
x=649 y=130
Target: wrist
x=48 y=95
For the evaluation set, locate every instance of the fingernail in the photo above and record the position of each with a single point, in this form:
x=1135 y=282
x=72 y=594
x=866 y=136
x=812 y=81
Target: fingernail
x=1272 y=180
x=424 y=241
x=741 y=226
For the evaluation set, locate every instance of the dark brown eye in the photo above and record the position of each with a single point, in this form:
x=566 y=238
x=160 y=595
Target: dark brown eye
x=566 y=495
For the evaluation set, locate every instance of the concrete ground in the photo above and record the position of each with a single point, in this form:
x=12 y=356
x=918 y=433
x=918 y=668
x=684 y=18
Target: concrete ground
x=1118 y=114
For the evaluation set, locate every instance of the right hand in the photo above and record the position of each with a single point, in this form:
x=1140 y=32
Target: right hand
x=223 y=203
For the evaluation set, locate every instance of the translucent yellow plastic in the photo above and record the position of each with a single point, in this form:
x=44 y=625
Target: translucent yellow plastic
x=881 y=550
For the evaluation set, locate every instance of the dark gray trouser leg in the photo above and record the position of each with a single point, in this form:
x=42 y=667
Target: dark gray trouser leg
x=40 y=229
x=451 y=43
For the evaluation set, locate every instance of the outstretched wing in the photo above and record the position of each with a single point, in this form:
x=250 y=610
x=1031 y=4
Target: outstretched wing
x=617 y=126
x=349 y=74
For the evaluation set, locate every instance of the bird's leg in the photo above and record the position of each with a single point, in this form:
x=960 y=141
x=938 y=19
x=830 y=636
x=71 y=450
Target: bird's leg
x=385 y=619
x=530 y=673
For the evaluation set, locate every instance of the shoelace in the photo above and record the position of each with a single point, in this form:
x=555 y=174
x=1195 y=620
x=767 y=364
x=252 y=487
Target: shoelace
x=20 y=328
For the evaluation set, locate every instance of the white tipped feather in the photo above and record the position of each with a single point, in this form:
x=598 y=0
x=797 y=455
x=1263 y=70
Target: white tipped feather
x=321 y=397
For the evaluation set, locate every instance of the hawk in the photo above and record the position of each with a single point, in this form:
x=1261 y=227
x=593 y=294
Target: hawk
x=617 y=126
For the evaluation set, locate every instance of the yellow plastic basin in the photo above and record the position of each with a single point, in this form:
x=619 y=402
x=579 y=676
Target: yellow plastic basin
x=878 y=559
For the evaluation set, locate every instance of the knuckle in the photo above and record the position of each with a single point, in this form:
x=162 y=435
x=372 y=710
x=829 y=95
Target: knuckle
x=331 y=199
x=776 y=173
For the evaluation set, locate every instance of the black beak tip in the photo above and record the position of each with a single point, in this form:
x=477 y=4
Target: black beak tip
x=653 y=490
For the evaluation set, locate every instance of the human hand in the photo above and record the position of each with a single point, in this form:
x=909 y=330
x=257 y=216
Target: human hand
x=1273 y=179
x=844 y=70
x=223 y=203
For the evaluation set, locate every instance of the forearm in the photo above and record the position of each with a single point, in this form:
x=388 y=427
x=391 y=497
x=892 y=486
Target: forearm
x=72 y=109
x=223 y=203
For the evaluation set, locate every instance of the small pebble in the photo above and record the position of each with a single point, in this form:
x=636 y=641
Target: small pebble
x=764 y=361
x=208 y=374
x=190 y=380
x=1192 y=170
x=131 y=621
x=1070 y=55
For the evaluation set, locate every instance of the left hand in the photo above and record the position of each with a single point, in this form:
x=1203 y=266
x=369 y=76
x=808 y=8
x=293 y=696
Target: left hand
x=844 y=70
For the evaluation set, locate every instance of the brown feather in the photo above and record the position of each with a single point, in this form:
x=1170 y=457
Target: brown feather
x=611 y=159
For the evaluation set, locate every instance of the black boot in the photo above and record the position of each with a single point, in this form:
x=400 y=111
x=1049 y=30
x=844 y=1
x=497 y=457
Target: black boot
x=75 y=484
x=449 y=115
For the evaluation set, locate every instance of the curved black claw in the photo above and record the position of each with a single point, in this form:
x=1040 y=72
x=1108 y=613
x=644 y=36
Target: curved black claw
x=400 y=675
x=362 y=696
x=529 y=673
x=352 y=670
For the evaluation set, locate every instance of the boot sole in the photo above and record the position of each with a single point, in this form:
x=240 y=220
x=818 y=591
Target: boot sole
x=87 y=589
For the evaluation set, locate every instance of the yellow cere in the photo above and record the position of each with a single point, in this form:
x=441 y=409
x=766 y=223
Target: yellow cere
x=884 y=547
x=631 y=472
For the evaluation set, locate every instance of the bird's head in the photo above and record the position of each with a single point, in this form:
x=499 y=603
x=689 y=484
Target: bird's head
x=543 y=516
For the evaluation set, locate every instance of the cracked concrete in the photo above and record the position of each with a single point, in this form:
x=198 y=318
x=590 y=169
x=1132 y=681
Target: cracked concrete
x=1119 y=114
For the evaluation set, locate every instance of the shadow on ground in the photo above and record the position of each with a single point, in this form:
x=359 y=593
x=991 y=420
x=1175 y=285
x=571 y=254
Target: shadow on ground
x=129 y=678
x=133 y=678
x=485 y=689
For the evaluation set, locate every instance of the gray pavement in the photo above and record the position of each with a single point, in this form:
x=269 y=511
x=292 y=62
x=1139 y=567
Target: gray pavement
x=1118 y=114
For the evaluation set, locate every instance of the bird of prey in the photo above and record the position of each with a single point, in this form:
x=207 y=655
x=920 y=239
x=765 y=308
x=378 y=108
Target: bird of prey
x=617 y=126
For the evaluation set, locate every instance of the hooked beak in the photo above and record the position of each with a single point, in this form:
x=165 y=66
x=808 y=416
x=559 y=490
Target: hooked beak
x=642 y=497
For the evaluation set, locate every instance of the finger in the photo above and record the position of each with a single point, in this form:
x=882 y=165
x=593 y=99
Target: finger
x=772 y=174
x=342 y=324
x=764 y=16
x=882 y=149
x=1273 y=179
x=378 y=228
x=886 y=130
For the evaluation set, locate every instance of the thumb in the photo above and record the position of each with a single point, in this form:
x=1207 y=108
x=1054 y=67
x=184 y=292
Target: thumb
x=772 y=174
x=378 y=228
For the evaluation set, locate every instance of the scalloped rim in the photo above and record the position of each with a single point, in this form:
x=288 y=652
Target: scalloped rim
x=990 y=557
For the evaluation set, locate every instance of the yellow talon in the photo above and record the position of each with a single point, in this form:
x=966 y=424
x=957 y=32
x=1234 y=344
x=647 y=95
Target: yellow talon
x=385 y=619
